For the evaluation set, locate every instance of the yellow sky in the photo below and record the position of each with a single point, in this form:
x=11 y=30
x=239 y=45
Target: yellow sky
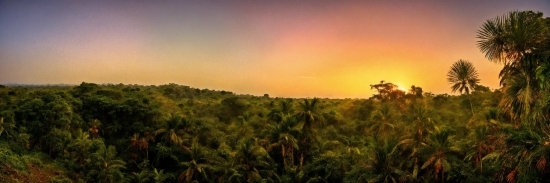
x=285 y=49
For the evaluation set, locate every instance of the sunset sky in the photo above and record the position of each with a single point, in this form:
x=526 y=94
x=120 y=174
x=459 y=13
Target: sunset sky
x=314 y=48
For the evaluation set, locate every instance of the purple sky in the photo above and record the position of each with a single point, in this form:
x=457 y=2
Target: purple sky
x=283 y=48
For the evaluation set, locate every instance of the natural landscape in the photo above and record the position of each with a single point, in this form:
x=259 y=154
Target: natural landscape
x=108 y=132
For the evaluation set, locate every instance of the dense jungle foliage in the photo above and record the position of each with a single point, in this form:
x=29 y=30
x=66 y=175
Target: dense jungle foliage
x=174 y=133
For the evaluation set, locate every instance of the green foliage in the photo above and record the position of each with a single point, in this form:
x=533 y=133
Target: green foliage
x=173 y=133
x=113 y=133
x=59 y=179
x=10 y=159
x=104 y=167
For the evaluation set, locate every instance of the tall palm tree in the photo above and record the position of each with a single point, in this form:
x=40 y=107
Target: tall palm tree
x=144 y=143
x=521 y=88
x=463 y=77
x=507 y=38
x=415 y=140
x=81 y=145
x=283 y=136
x=519 y=40
x=141 y=143
x=309 y=114
x=480 y=147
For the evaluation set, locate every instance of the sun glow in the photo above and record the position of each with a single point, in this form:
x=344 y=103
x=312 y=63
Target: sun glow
x=402 y=88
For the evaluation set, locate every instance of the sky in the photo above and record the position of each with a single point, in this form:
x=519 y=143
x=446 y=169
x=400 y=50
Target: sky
x=332 y=49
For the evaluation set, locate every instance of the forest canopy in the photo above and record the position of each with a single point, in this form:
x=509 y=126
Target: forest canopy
x=174 y=133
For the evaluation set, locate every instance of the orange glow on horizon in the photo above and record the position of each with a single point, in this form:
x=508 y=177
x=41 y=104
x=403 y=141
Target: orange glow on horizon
x=284 y=49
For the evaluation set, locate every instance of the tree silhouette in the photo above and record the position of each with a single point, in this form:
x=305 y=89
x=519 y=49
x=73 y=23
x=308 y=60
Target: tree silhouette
x=464 y=78
x=387 y=91
x=520 y=41
x=309 y=115
x=507 y=38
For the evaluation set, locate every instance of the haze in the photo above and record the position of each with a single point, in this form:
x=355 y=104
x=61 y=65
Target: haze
x=282 y=48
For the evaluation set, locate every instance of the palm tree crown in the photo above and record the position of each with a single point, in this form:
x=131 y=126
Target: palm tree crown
x=463 y=76
x=507 y=38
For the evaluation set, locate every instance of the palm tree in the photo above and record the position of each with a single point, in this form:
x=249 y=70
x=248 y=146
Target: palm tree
x=412 y=144
x=525 y=157
x=289 y=145
x=521 y=89
x=330 y=160
x=506 y=39
x=538 y=160
x=81 y=145
x=160 y=176
x=142 y=176
x=286 y=106
x=141 y=143
x=440 y=147
x=2 y=129
x=173 y=130
x=382 y=121
x=199 y=164
x=480 y=148
x=283 y=137
x=59 y=141
x=252 y=163
x=105 y=165
x=309 y=115
x=381 y=165
x=519 y=40
x=144 y=143
x=94 y=127
x=5 y=127
x=415 y=140
x=463 y=77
